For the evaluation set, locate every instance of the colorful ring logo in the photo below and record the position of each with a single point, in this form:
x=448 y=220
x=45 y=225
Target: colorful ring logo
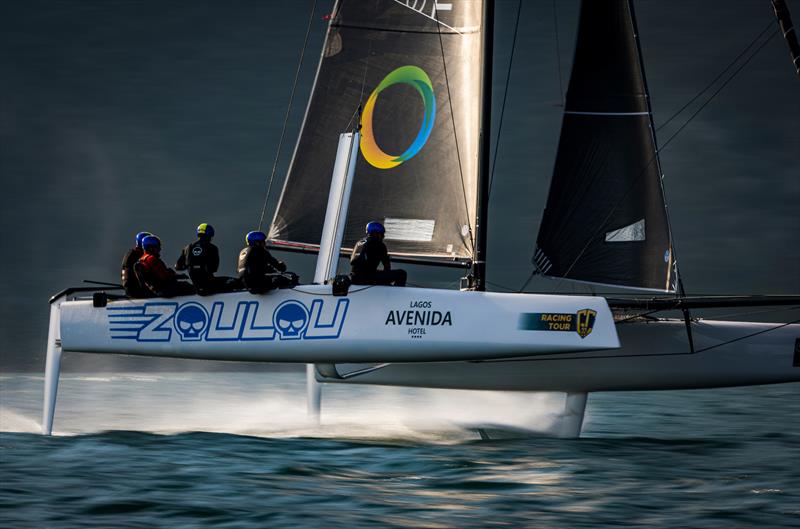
x=417 y=78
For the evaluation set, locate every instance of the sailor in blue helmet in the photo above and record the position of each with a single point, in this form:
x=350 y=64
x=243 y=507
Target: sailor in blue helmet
x=159 y=280
x=130 y=282
x=368 y=253
x=201 y=260
x=259 y=270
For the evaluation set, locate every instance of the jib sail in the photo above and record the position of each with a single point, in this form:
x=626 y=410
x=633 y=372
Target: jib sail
x=605 y=221
x=411 y=68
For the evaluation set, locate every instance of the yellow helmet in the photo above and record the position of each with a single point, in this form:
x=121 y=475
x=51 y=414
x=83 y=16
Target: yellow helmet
x=205 y=229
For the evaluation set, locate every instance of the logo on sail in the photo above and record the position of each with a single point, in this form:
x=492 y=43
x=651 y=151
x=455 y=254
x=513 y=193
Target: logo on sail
x=417 y=78
x=581 y=322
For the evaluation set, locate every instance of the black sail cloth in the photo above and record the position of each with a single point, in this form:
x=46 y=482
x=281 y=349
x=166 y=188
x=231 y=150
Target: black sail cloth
x=605 y=221
x=789 y=31
x=415 y=73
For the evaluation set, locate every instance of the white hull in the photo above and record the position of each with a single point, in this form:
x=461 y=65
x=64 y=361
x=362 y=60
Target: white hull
x=308 y=324
x=653 y=356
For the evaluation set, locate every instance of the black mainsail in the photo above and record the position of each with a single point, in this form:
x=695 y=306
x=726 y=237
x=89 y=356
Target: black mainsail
x=412 y=70
x=788 y=30
x=605 y=221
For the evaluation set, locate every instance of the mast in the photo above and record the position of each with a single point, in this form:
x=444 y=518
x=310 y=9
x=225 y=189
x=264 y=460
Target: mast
x=484 y=150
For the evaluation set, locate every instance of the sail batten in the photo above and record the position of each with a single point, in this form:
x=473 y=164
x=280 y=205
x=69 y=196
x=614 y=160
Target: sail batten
x=414 y=75
x=605 y=221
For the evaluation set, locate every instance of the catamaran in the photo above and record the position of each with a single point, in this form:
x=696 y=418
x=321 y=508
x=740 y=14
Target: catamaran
x=414 y=78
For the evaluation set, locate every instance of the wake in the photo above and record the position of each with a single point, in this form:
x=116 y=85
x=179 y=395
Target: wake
x=273 y=405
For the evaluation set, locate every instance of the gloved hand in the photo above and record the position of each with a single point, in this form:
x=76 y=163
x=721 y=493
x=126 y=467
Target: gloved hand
x=281 y=266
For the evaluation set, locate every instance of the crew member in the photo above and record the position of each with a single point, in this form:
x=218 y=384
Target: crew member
x=201 y=259
x=368 y=253
x=159 y=280
x=258 y=270
x=130 y=282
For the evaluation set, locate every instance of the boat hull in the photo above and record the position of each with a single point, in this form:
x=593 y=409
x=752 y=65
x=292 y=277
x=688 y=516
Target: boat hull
x=370 y=324
x=653 y=356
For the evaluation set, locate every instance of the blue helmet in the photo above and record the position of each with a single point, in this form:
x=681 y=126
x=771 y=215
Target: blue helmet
x=140 y=237
x=205 y=229
x=375 y=227
x=255 y=236
x=151 y=242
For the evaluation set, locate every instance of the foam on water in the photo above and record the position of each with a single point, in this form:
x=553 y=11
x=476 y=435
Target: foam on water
x=271 y=405
x=12 y=421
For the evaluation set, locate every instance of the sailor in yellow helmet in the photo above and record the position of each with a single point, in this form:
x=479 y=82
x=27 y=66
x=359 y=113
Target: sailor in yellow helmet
x=201 y=260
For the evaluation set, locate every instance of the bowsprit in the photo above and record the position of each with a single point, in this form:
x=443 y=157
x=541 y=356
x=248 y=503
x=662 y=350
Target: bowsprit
x=226 y=322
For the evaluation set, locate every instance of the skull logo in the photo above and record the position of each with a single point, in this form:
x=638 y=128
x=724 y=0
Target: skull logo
x=191 y=321
x=290 y=319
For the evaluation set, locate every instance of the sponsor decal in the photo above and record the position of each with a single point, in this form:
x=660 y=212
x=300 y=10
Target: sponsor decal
x=228 y=322
x=418 y=79
x=581 y=322
x=419 y=317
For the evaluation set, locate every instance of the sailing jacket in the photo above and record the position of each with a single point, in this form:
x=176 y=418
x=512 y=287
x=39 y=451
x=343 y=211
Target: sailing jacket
x=256 y=261
x=201 y=259
x=130 y=282
x=154 y=275
x=367 y=254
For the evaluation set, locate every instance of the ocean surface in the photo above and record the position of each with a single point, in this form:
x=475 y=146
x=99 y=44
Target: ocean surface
x=234 y=450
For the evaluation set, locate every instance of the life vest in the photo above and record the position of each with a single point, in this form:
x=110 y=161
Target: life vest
x=153 y=273
x=198 y=257
x=129 y=281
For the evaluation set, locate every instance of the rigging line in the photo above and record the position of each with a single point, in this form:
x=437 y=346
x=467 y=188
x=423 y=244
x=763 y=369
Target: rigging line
x=558 y=56
x=498 y=285
x=505 y=95
x=751 y=312
x=455 y=130
x=745 y=63
x=358 y=109
x=635 y=181
x=672 y=262
x=747 y=336
x=530 y=277
x=364 y=77
x=640 y=315
x=288 y=112
x=717 y=78
x=350 y=292
x=353 y=115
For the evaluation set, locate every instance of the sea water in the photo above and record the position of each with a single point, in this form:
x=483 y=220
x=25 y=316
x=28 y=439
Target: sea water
x=234 y=450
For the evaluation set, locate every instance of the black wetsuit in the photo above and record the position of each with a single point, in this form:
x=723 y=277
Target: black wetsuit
x=260 y=272
x=201 y=260
x=367 y=255
x=130 y=282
